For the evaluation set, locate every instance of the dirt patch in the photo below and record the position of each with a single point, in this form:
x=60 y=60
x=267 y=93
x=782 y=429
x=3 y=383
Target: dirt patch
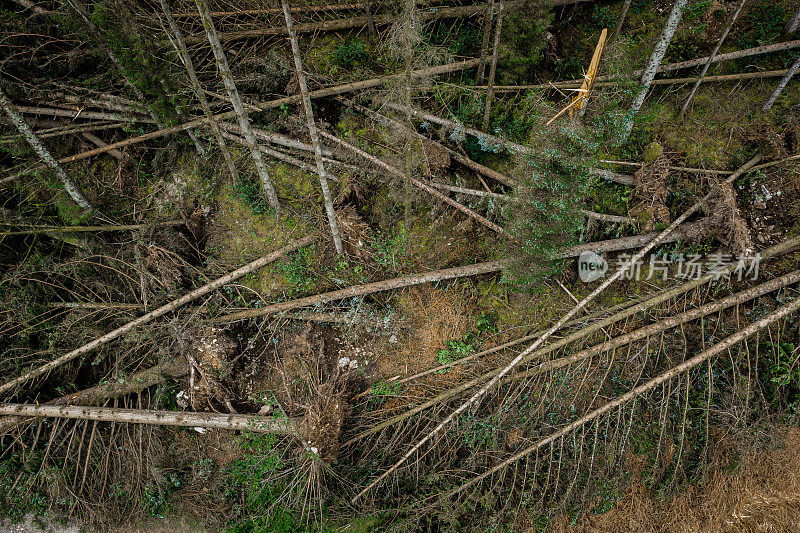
x=650 y=194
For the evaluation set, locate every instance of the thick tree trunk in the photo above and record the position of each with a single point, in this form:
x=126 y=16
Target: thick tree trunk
x=70 y=186
x=186 y=59
x=258 y=424
x=653 y=63
x=312 y=128
x=487 y=32
x=236 y=102
x=781 y=85
x=711 y=58
x=149 y=317
x=498 y=30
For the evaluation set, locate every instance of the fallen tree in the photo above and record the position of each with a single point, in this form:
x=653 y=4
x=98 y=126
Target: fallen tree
x=183 y=300
x=255 y=423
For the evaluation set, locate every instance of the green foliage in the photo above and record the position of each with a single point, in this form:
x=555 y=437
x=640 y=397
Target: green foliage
x=461 y=38
x=469 y=343
x=350 y=53
x=248 y=191
x=383 y=390
x=694 y=11
x=297 y=270
x=523 y=41
x=19 y=490
x=390 y=250
x=765 y=20
x=602 y=17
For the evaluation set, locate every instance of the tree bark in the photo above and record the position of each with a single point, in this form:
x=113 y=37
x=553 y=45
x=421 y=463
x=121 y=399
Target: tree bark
x=70 y=186
x=711 y=58
x=625 y=7
x=498 y=30
x=653 y=63
x=369 y=288
x=487 y=32
x=97 y=141
x=312 y=129
x=186 y=59
x=255 y=423
x=149 y=317
x=793 y=24
x=236 y=102
x=781 y=85
x=97 y=395
x=74 y=115
x=703 y=356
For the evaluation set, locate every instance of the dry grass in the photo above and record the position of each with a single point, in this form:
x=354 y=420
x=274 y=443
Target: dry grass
x=763 y=496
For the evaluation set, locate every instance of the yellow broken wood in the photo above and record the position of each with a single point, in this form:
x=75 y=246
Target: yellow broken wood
x=588 y=80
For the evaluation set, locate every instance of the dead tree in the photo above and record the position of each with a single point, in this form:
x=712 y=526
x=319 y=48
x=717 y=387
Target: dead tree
x=236 y=102
x=259 y=424
x=793 y=24
x=493 y=70
x=70 y=186
x=625 y=7
x=312 y=128
x=651 y=68
x=785 y=80
x=711 y=58
x=180 y=47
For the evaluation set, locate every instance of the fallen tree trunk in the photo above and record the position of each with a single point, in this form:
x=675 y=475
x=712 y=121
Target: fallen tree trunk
x=272 y=104
x=97 y=395
x=703 y=356
x=97 y=141
x=255 y=423
x=74 y=115
x=81 y=229
x=183 y=300
x=368 y=288
x=633 y=309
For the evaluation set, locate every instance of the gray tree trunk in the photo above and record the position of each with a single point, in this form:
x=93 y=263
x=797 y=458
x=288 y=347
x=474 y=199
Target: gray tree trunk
x=793 y=24
x=711 y=58
x=183 y=53
x=493 y=70
x=785 y=80
x=625 y=7
x=487 y=32
x=651 y=68
x=70 y=186
x=312 y=128
x=236 y=102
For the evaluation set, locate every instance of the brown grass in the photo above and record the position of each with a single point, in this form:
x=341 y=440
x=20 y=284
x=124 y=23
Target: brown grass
x=762 y=496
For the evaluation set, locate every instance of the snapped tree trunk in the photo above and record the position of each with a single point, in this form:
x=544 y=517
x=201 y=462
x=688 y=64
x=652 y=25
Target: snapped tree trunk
x=498 y=30
x=70 y=186
x=651 y=68
x=236 y=102
x=711 y=58
x=781 y=85
x=183 y=53
x=487 y=32
x=312 y=128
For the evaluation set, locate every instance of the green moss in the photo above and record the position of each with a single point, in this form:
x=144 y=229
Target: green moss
x=652 y=152
x=240 y=236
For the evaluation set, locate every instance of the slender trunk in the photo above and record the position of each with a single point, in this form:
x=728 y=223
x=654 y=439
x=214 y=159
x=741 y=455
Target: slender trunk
x=487 y=31
x=498 y=30
x=74 y=115
x=368 y=288
x=186 y=59
x=149 y=317
x=27 y=4
x=625 y=7
x=410 y=20
x=70 y=186
x=312 y=128
x=711 y=58
x=653 y=63
x=259 y=424
x=785 y=80
x=236 y=102
x=370 y=21
x=97 y=141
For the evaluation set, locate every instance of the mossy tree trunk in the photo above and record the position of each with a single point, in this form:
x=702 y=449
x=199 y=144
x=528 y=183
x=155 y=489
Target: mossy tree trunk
x=653 y=63
x=236 y=102
x=70 y=186
x=487 y=32
x=312 y=128
x=183 y=53
x=493 y=70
